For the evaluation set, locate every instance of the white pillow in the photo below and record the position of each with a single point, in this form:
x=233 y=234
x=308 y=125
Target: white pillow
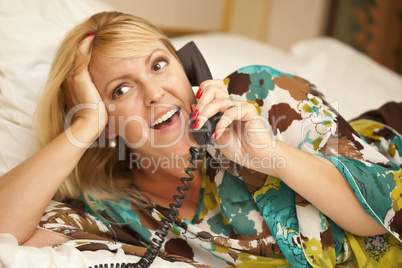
x=348 y=78
x=30 y=32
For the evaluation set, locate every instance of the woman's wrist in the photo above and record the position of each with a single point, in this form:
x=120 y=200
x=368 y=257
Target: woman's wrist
x=83 y=133
x=271 y=160
x=267 y=159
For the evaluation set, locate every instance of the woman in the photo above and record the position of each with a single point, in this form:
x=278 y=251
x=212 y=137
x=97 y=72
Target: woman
x=259 y=198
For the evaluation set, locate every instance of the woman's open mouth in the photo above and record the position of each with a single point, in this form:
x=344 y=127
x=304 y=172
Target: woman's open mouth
x=167 y=119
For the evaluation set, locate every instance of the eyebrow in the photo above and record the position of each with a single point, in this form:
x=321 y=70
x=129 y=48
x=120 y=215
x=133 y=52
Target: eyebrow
x=125 y=76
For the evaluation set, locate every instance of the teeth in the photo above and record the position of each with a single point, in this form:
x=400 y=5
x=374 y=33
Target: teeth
x=165 y=117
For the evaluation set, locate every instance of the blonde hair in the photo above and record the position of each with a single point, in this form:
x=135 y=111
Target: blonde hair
x=99 y=175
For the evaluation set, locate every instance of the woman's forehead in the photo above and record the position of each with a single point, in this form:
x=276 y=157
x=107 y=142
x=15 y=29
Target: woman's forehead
x=119 y=50
x=103 y=66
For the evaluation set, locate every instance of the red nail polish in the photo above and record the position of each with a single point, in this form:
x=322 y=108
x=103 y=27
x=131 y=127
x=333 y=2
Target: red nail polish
x=191 y=107
x=195 y=114
x=91 y=34
x=196 y=124
x=199 y=93
x=214 y=135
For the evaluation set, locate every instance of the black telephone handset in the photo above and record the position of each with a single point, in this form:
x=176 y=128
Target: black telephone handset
x=197 y=71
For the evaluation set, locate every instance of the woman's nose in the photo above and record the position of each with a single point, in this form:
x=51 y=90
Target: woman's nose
x=153 y=93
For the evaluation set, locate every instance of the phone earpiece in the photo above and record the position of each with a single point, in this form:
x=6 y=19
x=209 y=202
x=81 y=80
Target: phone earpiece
x=194 y=64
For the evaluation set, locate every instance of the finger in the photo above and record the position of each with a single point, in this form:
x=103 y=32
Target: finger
x=243 y=111
x=209 y=110
x=81 y=61
x=80 y=78
x=213 y=89
x=86 y=43
x=210 y=106
x=216 y=86
x=216 y=83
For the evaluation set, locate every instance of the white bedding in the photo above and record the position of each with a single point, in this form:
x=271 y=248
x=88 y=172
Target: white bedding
x=31 y=29
x=66 y=256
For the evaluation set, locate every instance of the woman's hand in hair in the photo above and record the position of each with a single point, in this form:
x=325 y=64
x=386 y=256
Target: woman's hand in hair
x=83 y=100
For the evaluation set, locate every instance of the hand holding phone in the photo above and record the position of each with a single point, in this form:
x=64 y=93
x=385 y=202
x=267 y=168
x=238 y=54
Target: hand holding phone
x=197 y=71
x=204 y=134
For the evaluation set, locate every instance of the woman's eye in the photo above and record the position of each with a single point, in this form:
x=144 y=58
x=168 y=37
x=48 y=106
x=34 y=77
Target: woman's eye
x=160 y=64
x=120 y=90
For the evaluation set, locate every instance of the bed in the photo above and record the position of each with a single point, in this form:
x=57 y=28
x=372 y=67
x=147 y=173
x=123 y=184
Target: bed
x=31 y=30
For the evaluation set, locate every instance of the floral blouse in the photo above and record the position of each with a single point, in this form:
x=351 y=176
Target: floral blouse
x=248 y=219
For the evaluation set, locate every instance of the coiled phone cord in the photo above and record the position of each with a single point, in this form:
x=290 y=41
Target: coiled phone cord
x=153 y=250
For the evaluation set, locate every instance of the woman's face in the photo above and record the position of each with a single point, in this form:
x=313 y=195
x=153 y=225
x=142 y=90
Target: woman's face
x=148 y=100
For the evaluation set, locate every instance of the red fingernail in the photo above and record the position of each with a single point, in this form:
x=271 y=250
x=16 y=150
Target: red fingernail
x=214 y=135
x=91 y=34
x=196 y=124
x=195 y=114
x=199 y=93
